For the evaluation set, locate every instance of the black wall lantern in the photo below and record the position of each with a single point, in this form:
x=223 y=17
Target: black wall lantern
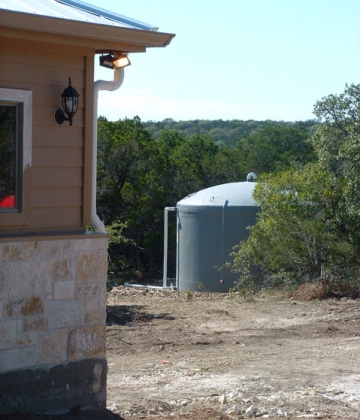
x=70 y=103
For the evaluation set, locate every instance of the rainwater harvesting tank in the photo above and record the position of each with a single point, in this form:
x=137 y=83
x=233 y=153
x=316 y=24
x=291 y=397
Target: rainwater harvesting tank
x=210 y=223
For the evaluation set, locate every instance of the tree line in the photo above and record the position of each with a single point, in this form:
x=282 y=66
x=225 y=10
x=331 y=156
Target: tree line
x=223 y=132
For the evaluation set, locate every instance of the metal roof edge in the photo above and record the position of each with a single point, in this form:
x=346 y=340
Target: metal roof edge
x=108 y=14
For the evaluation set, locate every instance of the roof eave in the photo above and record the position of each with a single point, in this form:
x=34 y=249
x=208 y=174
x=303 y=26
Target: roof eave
x=87 y=30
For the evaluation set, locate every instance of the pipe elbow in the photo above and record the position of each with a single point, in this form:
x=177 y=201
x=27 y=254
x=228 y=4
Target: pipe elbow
x=97 y=224
x=111 y=85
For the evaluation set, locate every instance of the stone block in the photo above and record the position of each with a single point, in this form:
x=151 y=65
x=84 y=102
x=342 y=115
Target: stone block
x=68 y=245
x=72 y=265
x=91 y=303
x=49 y=250
x=34 y=323
x=64 y=289
x=95 y=317
x=26 y=339
x=18 y=308
x=91 y=244
x=8 y=333
x=87 y=342
x=65 y=313
x=10 y=336
x=62 y=269
x=3 y=288
x=28 y=278
x=83 y=245
x=19 y=251
x=18 y=358
x=84 y=290
x=53 y=346
x=91 y=267
x=102 y=297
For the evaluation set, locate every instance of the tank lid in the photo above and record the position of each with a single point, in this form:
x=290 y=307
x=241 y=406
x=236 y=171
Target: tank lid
x=251 y=177
x=233 y=194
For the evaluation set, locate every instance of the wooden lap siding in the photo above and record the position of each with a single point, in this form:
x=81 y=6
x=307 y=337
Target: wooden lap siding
x=57 y=172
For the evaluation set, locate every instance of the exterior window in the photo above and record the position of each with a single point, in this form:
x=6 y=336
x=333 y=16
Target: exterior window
x=10 y=163
x=15 y=153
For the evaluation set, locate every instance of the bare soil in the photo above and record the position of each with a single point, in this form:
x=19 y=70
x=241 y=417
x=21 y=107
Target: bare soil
x=183 y=355
x=192 y=355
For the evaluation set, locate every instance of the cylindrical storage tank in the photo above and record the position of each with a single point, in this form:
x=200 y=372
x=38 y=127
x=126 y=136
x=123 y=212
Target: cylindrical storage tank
x=210 y=223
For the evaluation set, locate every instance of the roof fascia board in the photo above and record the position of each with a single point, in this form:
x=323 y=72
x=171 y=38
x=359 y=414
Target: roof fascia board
x=96 y=45
x=66 y=27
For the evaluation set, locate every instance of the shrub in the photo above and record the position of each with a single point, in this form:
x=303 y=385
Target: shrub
x=326 y=288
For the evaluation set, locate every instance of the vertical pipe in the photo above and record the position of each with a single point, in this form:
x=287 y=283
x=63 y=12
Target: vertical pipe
x=166 y=243
x=112 y=85
x=222 y=240
x=177 y=250
x=166 y=212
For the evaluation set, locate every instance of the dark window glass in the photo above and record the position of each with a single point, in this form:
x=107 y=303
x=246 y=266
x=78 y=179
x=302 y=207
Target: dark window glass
x=10 y=168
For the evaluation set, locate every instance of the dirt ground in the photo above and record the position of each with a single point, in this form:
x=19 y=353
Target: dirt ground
x=184 y=355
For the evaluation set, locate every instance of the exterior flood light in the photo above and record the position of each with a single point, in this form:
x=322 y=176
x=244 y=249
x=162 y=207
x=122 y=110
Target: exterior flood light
x=70 y=103
x=117 y=61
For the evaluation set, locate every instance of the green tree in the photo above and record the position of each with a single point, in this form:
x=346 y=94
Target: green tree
x=309 y=223
x=194 y=159
x=128 y=193
x=294 y=233
x=337 y=144
x=275 y=148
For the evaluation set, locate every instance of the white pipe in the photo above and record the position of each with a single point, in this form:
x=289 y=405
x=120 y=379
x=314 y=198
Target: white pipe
x=113 y=85
x=146 y=286
x=223 y=239
x=177 y=283
x=166 y=246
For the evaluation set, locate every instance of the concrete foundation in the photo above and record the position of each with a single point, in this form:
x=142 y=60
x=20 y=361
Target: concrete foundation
x=55 y=389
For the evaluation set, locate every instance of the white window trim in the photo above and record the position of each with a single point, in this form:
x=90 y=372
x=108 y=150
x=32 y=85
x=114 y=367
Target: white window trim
x=24 y=97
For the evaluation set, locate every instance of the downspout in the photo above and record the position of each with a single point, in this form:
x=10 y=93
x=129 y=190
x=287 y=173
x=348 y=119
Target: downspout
x=97 y=224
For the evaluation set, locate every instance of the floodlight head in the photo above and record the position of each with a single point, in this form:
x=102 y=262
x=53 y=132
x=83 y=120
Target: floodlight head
x=117 y=60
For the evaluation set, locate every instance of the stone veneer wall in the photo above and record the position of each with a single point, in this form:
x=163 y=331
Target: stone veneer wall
x=52 y=323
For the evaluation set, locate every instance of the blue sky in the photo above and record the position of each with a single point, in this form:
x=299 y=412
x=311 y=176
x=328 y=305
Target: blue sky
x=236 y=59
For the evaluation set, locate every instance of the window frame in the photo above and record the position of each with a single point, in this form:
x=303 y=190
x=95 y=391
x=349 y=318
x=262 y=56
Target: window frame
x=23 y=98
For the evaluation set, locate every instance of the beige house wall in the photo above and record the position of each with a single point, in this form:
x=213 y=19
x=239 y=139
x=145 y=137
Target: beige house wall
x=58 y=183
